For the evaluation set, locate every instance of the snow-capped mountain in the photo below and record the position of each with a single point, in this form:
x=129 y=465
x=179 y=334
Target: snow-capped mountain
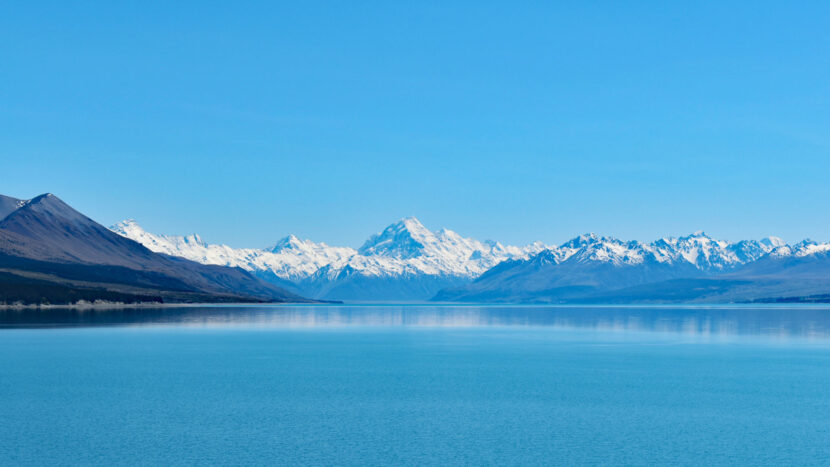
x=52 y=253
x=290 y=259
x=801 y=249
x=407 y=259
x=698 y=250
x=591 y=267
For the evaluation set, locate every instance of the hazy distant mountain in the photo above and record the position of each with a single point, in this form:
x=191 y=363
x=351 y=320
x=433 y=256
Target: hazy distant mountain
x=406 y=261
x=697 y=267
x=46 y=246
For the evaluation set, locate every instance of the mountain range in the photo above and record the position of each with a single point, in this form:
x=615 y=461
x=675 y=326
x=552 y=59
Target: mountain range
x=407 y=261
x=404 y=262
x=694 y=268
x=52 y=254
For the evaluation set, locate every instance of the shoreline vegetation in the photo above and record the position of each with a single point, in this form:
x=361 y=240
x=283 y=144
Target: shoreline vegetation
x=103 y=304
x=83 y=304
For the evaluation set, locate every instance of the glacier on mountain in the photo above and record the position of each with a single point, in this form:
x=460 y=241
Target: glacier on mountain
x=594 y=269
x=407 y=261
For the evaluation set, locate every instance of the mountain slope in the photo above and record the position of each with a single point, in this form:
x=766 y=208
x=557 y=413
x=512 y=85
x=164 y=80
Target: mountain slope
x=44 y=239
x=8 y=205
x=771 y=279
x=590 y=268
x=405 y=261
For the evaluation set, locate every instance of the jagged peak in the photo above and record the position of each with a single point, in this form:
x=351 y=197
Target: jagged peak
x=131 y=229
x=545 y=257
x=581 y=240
x=697 y=235
x=405 y=238
x=289 y=241
x=407 y=245
x=592 y=240
x=410 y=220
x=195 y=238
x=666 y=241
x=126 y=223
x=784 y=250
x=772 y=241
x=806 y=242
x=410 y=224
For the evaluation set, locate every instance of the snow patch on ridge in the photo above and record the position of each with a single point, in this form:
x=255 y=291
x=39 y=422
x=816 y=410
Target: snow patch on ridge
x=405 y=248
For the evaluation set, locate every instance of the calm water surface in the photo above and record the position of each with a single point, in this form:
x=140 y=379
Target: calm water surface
x=415 y=385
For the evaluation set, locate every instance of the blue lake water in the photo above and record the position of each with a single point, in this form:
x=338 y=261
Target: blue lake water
x=416 y=385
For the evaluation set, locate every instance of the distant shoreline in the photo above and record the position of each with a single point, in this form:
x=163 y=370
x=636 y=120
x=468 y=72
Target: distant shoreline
x=100 y=304
x=150 y=305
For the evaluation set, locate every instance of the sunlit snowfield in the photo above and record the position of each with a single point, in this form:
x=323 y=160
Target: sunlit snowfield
x=355 y=385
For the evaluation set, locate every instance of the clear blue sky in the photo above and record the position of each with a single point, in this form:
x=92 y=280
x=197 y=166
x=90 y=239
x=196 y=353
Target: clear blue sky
x=512 y=121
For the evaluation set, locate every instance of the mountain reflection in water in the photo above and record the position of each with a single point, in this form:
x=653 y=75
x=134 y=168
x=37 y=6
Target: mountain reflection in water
x=770 y=321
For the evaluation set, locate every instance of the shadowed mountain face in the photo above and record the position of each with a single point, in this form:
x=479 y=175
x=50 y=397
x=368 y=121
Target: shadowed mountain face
x=786 y=274
x=8 y=205
x=404 y=239
x=408 y=262
x=404 y=262
x=44 y=240
x=47 y=229
x=542 y=276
